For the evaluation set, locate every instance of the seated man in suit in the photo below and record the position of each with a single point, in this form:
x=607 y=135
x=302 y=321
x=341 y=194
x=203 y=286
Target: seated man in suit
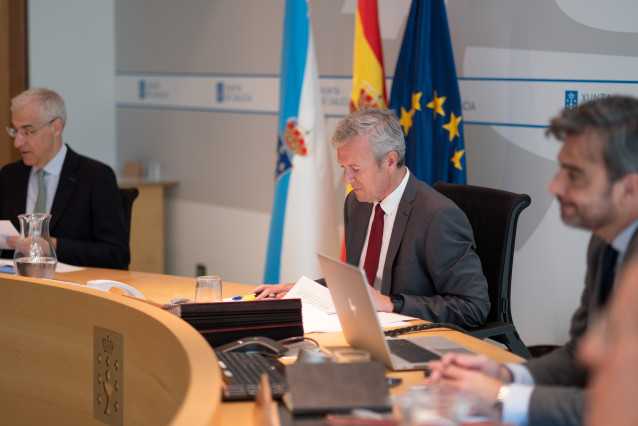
x=424 y=263
x=87 y=224
x=610 y=351
x=597 y=189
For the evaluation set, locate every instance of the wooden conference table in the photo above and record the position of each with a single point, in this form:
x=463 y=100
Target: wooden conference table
x=163 y=288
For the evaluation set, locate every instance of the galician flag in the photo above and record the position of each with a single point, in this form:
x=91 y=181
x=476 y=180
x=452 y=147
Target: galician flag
x=304 y=214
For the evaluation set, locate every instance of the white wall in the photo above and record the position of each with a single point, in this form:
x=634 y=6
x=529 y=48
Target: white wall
x=72 y=51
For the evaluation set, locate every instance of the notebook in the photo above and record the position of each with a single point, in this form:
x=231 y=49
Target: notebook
x=353 y=302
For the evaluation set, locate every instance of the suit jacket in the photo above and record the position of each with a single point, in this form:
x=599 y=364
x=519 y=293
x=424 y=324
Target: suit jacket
x=87 y=212
x=559 y=395
x=431 y=259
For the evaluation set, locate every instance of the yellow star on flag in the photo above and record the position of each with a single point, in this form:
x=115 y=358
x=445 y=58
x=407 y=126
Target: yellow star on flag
x=453 y=126
x=406 y=120
x=457 y=158
x=416 y=101
x=437 y=105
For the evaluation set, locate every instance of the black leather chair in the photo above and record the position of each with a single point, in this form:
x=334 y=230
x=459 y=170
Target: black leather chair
x=493 y=214
x=128 y=196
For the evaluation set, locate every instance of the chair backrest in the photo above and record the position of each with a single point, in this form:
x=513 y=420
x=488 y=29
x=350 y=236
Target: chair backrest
x=493 y=214
x=128 y=196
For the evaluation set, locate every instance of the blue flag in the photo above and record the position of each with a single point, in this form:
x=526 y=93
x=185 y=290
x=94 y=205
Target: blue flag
x=425 y=95
x=304 y=218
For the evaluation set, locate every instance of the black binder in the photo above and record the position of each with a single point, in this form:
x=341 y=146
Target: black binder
x=224 y=322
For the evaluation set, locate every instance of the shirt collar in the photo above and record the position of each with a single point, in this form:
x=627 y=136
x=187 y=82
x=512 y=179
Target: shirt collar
x=391 y=202
x=621 y=242
x=54 y=167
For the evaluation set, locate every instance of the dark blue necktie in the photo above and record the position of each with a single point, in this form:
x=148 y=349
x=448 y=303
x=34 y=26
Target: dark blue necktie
x=607 y=275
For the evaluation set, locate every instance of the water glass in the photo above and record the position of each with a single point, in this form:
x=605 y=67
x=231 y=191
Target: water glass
x=208 y=289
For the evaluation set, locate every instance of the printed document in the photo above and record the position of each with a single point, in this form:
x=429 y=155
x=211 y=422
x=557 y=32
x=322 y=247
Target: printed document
x=318 y=311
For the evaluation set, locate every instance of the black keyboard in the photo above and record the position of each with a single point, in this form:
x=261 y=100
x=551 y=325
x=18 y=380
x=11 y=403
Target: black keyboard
x=242 y=375
x=410 y=352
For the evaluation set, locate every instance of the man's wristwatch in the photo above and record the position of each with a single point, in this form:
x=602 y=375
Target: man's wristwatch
x=397 y=301
x=501 y=396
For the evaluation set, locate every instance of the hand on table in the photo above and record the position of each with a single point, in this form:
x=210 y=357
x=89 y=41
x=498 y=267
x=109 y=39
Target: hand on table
x=278 y=290
x=476 y=374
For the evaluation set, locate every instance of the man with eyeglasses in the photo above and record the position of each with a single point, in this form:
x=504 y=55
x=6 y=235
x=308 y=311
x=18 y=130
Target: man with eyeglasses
x=87 y=224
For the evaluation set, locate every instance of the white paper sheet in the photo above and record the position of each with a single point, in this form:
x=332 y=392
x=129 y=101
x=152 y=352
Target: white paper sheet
x=318 y=311
x=7 y=230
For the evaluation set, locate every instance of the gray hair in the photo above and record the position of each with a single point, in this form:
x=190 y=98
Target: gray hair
x=51 y=104
x=615 y=119
x=380 y=124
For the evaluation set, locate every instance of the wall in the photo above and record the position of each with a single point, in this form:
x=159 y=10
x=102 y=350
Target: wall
x=515 y=60
x=72 y=51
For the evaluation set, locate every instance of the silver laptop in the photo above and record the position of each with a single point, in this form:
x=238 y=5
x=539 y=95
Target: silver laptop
x=358 y=317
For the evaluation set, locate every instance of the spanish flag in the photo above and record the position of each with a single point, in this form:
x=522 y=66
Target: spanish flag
x=368 y=77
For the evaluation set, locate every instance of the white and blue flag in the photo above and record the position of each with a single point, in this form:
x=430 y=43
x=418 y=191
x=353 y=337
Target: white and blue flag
x=303 y=218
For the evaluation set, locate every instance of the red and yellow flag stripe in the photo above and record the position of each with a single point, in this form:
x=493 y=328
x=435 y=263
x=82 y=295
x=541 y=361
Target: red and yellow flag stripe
x=368 y=77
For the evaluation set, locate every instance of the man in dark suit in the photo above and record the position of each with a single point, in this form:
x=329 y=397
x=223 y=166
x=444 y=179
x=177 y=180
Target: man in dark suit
x=597 y=188
x=427 y=265
x=610 y=350
x=87 y=224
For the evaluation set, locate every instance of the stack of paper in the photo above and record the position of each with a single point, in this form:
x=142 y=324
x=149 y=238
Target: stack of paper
x=318 y=310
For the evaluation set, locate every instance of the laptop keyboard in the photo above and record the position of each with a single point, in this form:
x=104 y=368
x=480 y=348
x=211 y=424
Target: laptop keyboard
x=411 y=352
x=242 y=374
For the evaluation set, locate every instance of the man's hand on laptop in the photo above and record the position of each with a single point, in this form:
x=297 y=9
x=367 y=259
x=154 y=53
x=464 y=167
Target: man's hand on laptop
x=272 y=290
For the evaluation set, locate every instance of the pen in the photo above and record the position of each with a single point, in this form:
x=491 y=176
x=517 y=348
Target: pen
x=250 y=296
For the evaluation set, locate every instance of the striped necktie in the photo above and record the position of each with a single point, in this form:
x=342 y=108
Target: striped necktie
x=41 y=201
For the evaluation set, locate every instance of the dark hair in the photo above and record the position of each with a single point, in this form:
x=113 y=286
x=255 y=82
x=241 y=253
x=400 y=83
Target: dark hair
x=380 y=124
x=615 y=119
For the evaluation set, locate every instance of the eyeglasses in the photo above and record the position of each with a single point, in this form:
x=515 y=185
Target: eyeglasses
x=26 y=132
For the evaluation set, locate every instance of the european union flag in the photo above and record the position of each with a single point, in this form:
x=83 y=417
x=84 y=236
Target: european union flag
x=425 y=95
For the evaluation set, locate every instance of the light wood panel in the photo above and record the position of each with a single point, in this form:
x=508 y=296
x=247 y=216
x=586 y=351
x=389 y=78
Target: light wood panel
x=46 y=358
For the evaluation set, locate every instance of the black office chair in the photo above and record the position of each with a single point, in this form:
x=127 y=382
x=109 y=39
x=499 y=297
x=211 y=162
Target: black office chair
x=128 y=196
x=493 y=214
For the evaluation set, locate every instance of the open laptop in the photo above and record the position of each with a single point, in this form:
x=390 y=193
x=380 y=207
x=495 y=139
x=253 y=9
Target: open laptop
x=358 y=317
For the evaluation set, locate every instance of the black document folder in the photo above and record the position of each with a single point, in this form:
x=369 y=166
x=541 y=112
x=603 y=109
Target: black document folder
x=333 y=388
x=224 y=322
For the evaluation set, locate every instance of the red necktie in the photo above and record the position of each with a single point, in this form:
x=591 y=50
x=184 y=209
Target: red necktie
x=374 y=245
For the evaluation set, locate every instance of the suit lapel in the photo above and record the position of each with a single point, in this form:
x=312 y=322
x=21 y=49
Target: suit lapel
x=66 y=185
x=400 y=222
x=356 y=238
